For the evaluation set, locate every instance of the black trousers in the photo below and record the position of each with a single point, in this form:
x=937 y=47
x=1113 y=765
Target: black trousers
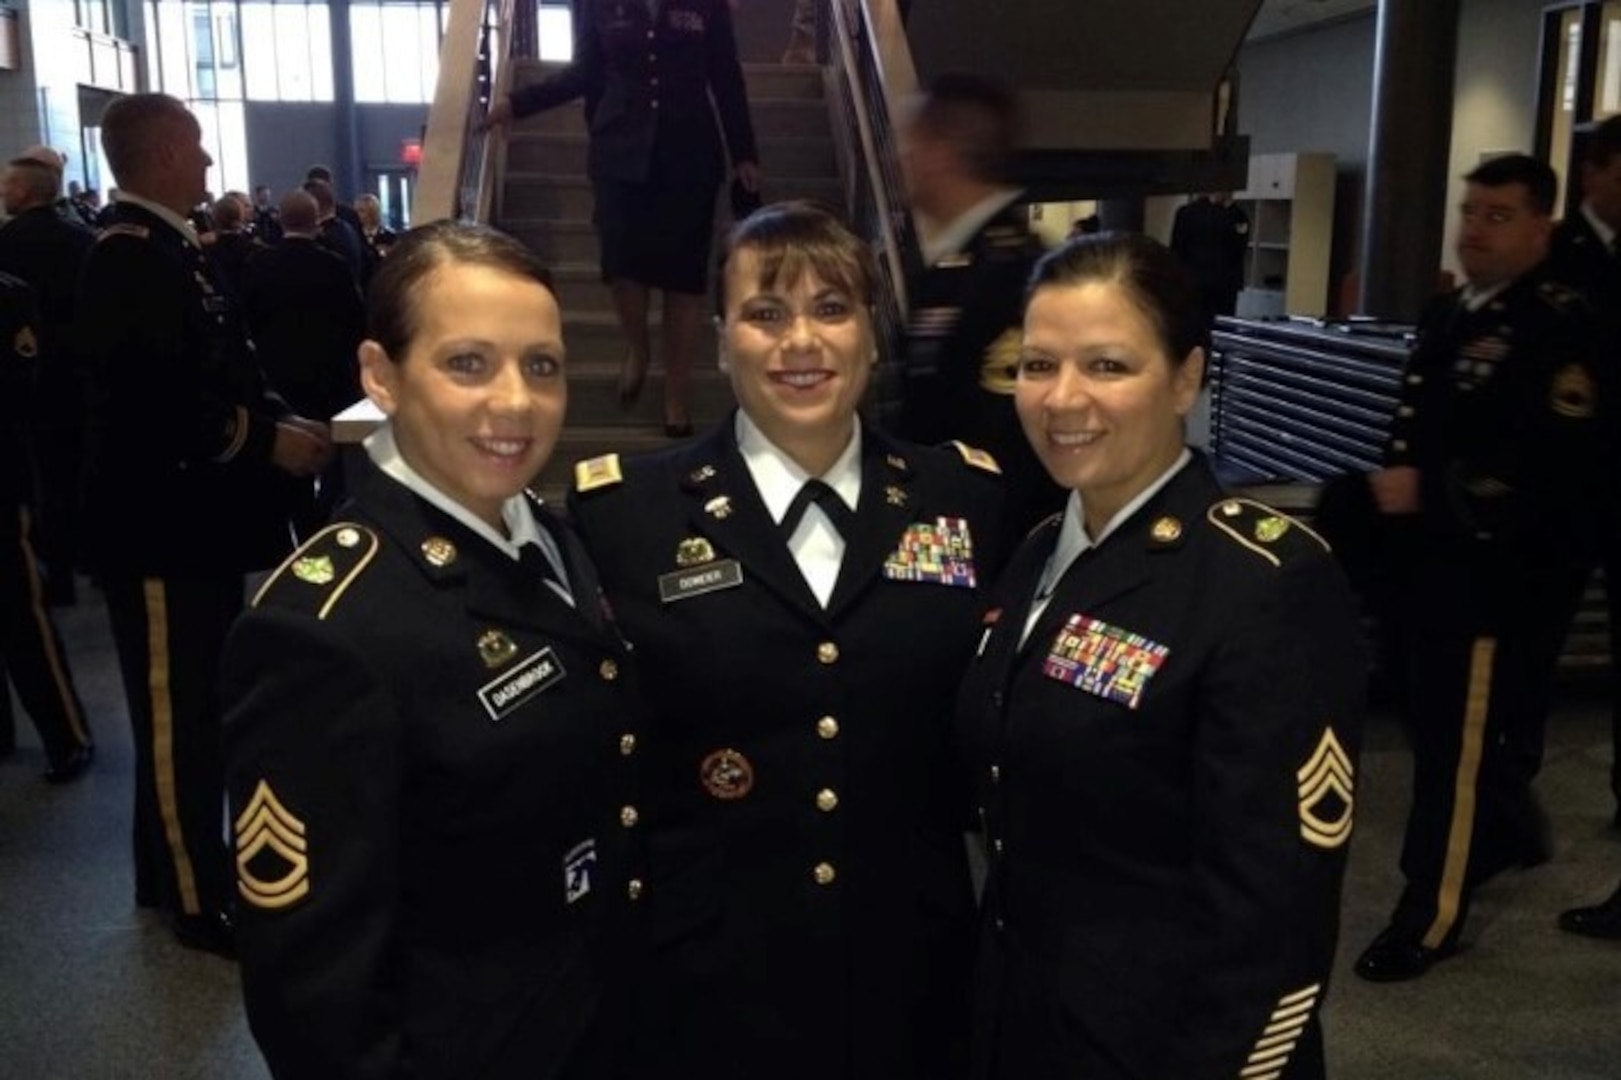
x=170 y=633
x=1483 y=648
x=31 y=653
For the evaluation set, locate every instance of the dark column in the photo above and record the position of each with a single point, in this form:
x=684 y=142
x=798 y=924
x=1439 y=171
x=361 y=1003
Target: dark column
x=1404 y=207
x=347 y=176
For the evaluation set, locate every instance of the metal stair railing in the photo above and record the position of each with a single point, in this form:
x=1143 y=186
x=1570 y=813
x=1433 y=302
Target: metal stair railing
x=870 y=78
x=461 y=162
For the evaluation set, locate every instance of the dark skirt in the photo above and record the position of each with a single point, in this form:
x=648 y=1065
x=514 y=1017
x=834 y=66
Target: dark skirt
x=656 y=234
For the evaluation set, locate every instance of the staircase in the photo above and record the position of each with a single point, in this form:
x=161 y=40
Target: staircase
x=546 y=202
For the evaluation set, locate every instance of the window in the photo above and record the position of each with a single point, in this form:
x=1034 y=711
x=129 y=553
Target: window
x=287 y=51
x=395 y=46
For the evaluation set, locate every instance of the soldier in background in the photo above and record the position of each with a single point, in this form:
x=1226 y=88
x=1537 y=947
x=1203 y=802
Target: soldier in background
x=1498 y=447
x=31 y=653
x=1209 y=235
x=48 y=251
x=191 y=461
x=968 y=305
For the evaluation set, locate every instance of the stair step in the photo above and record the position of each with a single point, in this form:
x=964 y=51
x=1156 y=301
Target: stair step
x=593 y=337
x=565 y=153
x=778 y=116
x=593 y=397
x=759 y=80
x=554 y=197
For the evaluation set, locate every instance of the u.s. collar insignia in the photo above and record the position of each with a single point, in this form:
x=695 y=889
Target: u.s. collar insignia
x=1573 y=392
x=702 y=473
x=726 y=774
x=1327 y=783
x=1167 y=530
x=438 y=551
x=1270 y=529
x=26 y=344
x=694 y=551
x=495 y=648
x=270 y=840
x=895 y=496
x=896 y=462
x=315 y=569
x=719 y=508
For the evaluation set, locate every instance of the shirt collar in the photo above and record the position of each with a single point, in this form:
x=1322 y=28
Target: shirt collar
x=951 y=237
x=1600 y=226
x=163 y=213
x=1072 y=537
x=779 y=477
x=1475 y=298
x=516 y=512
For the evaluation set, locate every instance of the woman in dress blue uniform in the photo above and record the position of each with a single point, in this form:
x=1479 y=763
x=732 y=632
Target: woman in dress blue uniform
x=431 y=717
x=1161 y=722
x=648 y=70
x=802 y=593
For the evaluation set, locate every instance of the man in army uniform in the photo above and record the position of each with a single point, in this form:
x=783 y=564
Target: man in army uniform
x=190 y=462
x=31 y=652
x=1498 y=447
x=968 y=305
x=1209 y=235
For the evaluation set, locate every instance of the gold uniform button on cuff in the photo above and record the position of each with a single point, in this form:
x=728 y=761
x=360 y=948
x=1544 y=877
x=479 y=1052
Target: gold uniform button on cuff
x=824 y=873
x=627 y=745
x=827 y=800
x=827 y=727
x=609 y=671
x=827 y=652
x=633 y=888
x=628 y=817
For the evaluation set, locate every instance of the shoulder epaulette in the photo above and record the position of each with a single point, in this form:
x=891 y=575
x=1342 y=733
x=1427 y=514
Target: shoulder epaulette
x=315 y=577
x=977 y=458
x=140 y=232
x=597 y=472
x=1271 y=534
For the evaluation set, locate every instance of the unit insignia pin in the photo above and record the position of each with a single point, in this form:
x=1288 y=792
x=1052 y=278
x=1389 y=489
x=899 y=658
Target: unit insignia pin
x=315 y=569
x=727 y=775
x=1269 y=529
x=895 y=495
x=720 y=507
x=495 y=648
x=438 y=551
x=702 y=473
x=694 y=551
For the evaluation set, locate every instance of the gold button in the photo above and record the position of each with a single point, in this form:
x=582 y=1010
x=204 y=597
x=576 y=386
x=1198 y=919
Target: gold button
x=628 y=817
x=827 y=727
x=827 y=800
x=824 y=873
x=609 y=671
x=627 y=745
x=633 y=888
x=827 y=652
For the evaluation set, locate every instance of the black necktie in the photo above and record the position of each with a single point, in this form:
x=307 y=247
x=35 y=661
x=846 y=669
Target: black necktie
x=815 y=491
x=534 y=561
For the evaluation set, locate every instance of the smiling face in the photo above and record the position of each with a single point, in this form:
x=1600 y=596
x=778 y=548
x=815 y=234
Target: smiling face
x=799 y=354
x=477 y=400
x=1098 y=394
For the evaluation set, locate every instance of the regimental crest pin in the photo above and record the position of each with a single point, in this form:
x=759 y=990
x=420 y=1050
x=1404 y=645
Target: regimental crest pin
x=895 y=495
x=496 y=648
x=719 y=508
x=702 y=473
x=726 y=775
x=315 y=569
x=1271 y=529
x=694 y=551
x=438 y=551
